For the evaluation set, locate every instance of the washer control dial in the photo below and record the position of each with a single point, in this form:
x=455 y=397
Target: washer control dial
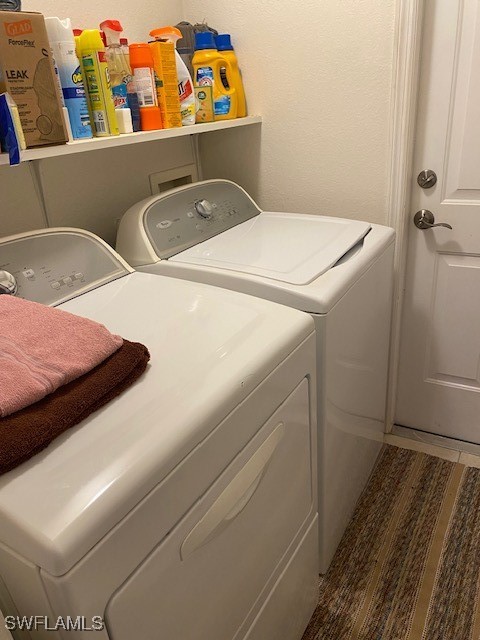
x=8 y=284
x=204 y=208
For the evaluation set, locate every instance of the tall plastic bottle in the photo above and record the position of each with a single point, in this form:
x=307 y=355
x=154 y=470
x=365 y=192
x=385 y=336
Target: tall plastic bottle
x=66 y=115
x=225 y=48
x=142 y=66
x=62 y=42
x=132 y=96
x=97 y=83
x=186 y=94
x=121 y=78
x=207 y=65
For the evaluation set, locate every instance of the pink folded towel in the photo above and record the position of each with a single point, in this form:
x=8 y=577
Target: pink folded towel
x=43 y=348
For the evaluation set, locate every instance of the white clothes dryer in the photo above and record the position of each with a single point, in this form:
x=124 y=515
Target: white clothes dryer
x=340 y=271
x=186 y=508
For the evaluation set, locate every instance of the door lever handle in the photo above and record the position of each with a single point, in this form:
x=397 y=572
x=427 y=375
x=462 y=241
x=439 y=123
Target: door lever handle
x=424 y=219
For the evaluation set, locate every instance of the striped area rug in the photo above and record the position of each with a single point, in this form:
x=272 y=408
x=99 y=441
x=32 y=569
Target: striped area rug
x=408 y=567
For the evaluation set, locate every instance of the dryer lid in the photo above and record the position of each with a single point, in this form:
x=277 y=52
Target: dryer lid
x=209 y=350
x=291 y=248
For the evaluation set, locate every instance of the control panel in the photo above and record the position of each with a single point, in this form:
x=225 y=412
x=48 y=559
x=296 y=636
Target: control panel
x=55 y=265
x=177 y=221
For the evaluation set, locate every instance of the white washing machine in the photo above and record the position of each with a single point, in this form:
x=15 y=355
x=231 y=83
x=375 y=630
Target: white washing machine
x=186 y=508
x=340 y=271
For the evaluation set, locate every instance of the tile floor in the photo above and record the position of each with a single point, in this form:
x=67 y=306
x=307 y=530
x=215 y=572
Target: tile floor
x=446 y=453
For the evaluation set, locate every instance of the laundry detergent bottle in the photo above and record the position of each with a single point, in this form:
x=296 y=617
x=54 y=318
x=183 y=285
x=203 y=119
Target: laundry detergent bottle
x=225 y=48
x=207 y=68
x=186 y=94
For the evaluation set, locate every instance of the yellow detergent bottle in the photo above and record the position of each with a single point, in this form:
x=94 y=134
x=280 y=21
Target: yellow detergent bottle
x=207 y=65
x=97 y=83
x=225 y=48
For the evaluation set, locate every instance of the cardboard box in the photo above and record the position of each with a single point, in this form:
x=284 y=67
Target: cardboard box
x=28 y=75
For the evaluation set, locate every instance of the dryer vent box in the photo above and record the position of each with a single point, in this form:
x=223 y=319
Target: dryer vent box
x=172 y=178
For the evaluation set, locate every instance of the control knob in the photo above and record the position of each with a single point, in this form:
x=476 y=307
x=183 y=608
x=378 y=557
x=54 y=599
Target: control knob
x=204 y=208
x=8 y=284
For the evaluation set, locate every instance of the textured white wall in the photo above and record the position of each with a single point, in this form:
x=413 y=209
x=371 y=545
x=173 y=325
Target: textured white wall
x=318 y=71
x=320 y=74
x=20 y=208
x=137 y=18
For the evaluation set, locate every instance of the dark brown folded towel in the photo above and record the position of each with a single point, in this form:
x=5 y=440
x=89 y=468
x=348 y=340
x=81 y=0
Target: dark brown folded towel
x=26 y=432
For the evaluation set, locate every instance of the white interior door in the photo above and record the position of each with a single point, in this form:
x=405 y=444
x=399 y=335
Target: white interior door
x=439 y=375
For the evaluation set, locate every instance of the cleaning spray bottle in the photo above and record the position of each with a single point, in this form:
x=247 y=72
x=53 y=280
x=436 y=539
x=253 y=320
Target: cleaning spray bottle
x=121 y=78
x=95 y=73
x=225 y=48
x=62 y=42
x=184 y=80
x=142 y=66
x=207 y=65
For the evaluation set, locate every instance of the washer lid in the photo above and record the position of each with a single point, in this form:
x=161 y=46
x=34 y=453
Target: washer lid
x=291 y=248
x=209 y=349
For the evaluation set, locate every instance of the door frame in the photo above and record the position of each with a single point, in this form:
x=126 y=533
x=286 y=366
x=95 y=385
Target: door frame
x=403 y=111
